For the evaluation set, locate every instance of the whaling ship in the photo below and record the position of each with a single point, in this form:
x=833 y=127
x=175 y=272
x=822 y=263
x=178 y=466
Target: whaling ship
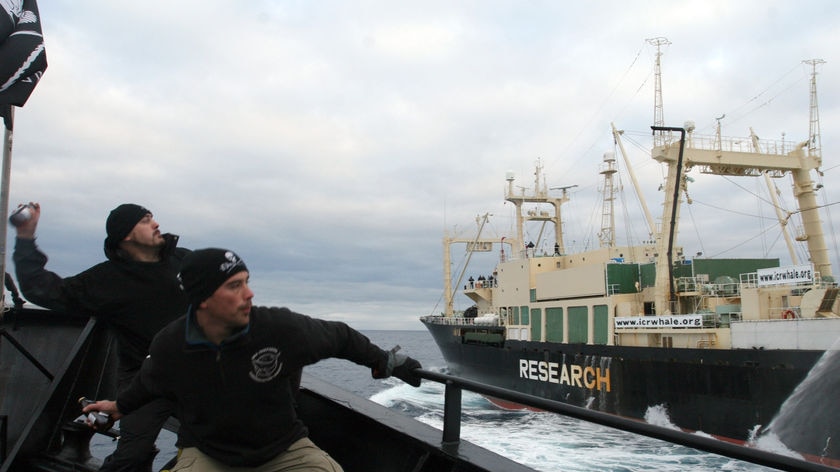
x=718 y=344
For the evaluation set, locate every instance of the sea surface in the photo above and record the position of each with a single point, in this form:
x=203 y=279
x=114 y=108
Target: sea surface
x=543 y=441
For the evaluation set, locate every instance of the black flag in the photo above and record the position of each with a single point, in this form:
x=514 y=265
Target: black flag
x=23 y=59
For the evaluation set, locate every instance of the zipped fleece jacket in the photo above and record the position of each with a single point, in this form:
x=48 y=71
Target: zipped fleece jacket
x=235 y=401
x=135 y=299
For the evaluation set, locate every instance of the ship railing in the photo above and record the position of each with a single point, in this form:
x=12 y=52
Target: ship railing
x=458 y=320
x=750 y=280
x=710 y=320
x=739 y=144
x=701 y=285
x=453 y=403
x=720 y=320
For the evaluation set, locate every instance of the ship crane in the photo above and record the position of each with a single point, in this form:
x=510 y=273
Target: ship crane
x=474 y=244
x=722 y=156
x=639 y=194
x=721 y=161
x=781 y=216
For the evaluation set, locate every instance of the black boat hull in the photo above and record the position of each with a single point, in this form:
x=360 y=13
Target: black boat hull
x=48 y=360
x=725 y=393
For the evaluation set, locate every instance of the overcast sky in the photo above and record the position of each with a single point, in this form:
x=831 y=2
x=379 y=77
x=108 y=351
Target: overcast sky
x=331 y=143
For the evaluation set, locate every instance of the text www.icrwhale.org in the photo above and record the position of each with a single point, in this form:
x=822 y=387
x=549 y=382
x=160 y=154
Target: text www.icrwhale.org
x=664 y=321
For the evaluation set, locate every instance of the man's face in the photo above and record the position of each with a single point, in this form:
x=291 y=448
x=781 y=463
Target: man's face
x=230 y=304
x=146 y=233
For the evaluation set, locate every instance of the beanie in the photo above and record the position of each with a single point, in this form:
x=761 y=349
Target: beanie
x=121 y=221
x=205 y=270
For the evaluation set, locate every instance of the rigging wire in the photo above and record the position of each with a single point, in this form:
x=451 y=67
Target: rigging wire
x=696 y=227
x=764 y=230
x=633 y=238
x=828 y=215
x=759 y=211
x=586 y=125
x=735 y=117
x=760 y=234
x=759 y=94
x=728 y=210
x=628 y=228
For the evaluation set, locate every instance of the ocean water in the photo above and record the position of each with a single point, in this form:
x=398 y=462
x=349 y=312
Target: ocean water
x=543 y=441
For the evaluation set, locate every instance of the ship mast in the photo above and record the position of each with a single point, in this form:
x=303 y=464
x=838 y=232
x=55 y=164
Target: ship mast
x=539 y=195
x=658 y=113
x=607 y=233
x=814 y=144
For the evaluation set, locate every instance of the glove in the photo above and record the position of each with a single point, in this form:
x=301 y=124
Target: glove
x=398 y=365
x=404 y=370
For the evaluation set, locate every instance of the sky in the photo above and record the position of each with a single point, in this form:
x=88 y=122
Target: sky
x=331 y=144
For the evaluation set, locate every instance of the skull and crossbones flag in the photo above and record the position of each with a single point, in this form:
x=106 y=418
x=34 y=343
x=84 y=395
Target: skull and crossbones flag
x=23 y=59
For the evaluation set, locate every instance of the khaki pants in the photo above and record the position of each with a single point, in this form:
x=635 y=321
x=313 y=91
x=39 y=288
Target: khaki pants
x=302 y=455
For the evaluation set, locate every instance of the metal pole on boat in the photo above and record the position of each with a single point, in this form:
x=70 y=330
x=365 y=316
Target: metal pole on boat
x=452 y=415
x=677 y=187
x=4 y=196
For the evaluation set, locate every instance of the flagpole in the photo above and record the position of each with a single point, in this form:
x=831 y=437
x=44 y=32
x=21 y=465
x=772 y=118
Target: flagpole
x=4 y=198
x=24 y=61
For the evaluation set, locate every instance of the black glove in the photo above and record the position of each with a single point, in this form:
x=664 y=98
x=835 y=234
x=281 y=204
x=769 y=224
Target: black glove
x=398 y=365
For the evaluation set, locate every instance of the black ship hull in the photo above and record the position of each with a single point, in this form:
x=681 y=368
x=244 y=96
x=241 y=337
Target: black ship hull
x=725 y=393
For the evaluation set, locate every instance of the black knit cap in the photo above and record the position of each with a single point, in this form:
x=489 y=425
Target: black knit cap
x=121 y=221
x=205 y=270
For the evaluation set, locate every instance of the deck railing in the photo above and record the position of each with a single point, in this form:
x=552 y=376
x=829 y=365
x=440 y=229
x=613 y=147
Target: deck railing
x=459 y=320
x=454 y=387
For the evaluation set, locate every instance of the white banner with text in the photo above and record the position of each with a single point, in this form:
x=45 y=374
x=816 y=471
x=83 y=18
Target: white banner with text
x=664 y=321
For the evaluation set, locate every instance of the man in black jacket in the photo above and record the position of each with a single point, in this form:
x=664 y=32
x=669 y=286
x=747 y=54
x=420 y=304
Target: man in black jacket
x=135 y=292
x=231 y=368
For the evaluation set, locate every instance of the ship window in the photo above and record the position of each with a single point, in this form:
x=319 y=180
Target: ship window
x=667 y=341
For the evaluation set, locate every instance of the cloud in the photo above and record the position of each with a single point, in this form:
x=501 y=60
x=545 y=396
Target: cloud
x=331 y=144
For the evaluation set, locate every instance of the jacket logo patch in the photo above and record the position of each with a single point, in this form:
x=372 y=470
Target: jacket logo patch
x=266 y=364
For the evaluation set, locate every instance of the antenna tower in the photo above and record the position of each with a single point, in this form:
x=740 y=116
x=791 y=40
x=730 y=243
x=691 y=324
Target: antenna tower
x=814 y=144
x=658 y=116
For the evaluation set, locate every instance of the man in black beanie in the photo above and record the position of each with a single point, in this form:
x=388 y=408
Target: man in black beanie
x=226 y=356
x=135 y=292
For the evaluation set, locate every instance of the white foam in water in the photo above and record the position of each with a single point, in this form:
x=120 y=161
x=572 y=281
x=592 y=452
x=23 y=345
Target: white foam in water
x=771 y=443
x=550 y=442
x=657 y=415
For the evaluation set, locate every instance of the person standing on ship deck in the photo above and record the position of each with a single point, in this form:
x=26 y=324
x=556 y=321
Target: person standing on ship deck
x=135 y=292
x=231 y=368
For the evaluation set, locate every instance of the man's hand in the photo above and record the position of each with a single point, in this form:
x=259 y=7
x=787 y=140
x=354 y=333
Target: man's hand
x=404 y=370
x=26 y=230
x=398 y=365
x=107 y=407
